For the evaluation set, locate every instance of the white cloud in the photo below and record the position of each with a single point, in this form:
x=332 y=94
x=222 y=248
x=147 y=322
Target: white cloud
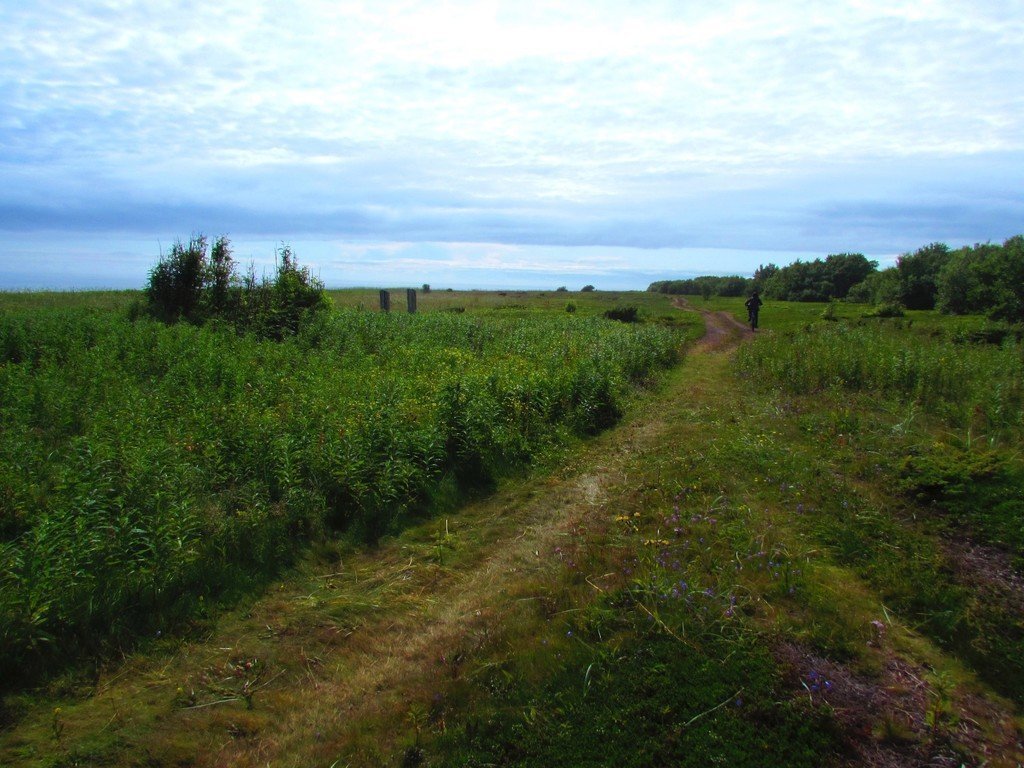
x=659 y=123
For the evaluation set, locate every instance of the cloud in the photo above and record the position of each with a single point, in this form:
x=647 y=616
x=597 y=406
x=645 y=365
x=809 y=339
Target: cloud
x=790 y=126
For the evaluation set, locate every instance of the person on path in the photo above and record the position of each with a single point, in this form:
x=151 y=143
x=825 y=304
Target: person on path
x=753 y=305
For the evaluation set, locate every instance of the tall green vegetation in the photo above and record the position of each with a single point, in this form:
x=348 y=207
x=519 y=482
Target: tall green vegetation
x=194 y=283
x=706 y=285
x=819 y=280
x=145 y=465
x=979 y=386
x=984 y=279
x=918 y=273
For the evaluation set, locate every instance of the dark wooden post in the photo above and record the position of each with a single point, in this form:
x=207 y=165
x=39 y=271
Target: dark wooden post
x=385 y=301
x=410 y=299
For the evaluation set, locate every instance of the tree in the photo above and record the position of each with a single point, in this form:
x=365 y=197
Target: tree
x=800 y=281
x=877 y=288
x=588 y=289
x=815 y=280
x=220 y=274
x=296 y=293
x=763 y=273
x=965 y=283
x=986 y=278
x=1009 y=304
x=732 y=286
x=705 y=285
x=918 y=274
x=176 y=282
x=845 y=270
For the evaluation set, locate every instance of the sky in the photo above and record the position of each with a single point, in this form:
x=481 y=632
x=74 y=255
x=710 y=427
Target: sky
x=478 y=144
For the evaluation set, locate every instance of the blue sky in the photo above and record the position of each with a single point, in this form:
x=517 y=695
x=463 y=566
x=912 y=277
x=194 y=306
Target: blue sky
x=489 y=144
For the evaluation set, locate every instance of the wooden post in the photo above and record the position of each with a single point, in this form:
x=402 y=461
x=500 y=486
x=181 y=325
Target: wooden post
x=385 y=301
x=410 y=300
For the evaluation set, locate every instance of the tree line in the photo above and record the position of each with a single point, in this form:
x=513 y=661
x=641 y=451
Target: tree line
x=980 y=279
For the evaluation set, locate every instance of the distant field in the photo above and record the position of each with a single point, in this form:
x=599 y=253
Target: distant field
x=112 y=300
x=796 y=315
x=587 y=303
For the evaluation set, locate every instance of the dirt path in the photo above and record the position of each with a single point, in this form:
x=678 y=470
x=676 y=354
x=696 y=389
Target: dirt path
x=722 y=328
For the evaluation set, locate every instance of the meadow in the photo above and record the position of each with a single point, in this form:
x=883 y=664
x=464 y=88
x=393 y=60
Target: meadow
x=503 y=532
x=819 y=562
x=148 y=468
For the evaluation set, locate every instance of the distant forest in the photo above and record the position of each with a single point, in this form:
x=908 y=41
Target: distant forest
x=979 y=279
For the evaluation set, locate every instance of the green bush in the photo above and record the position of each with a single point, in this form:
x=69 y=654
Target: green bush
x=986 y=278
x=177 y=282
x=886 y=309
x=189 y=285
x=623 y=314
x=979 y=489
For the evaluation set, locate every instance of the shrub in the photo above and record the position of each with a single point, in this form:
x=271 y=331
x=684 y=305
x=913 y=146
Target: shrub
x=886 y=309
x=570 y=307
x=177 y=281
x=191 y=286
x=623 y=314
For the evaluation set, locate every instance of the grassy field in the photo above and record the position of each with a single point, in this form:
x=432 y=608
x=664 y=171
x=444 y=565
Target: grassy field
x=801 y=550
x=147 y=467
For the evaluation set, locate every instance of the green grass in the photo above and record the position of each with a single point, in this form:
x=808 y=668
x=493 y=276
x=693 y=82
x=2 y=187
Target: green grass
x=768 y=559
x=791 y=316
x=772 y=516
x=649 y=700
x=979 y=387
x=522 y=304
x=145 y=466
x=98 y=300
x=934 y=422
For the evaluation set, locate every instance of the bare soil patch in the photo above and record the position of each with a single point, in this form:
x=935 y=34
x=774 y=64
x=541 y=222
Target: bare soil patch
x=722 y=329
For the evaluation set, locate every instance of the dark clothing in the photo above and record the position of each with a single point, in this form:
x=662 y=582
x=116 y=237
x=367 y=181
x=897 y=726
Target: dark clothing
x=753 y=304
